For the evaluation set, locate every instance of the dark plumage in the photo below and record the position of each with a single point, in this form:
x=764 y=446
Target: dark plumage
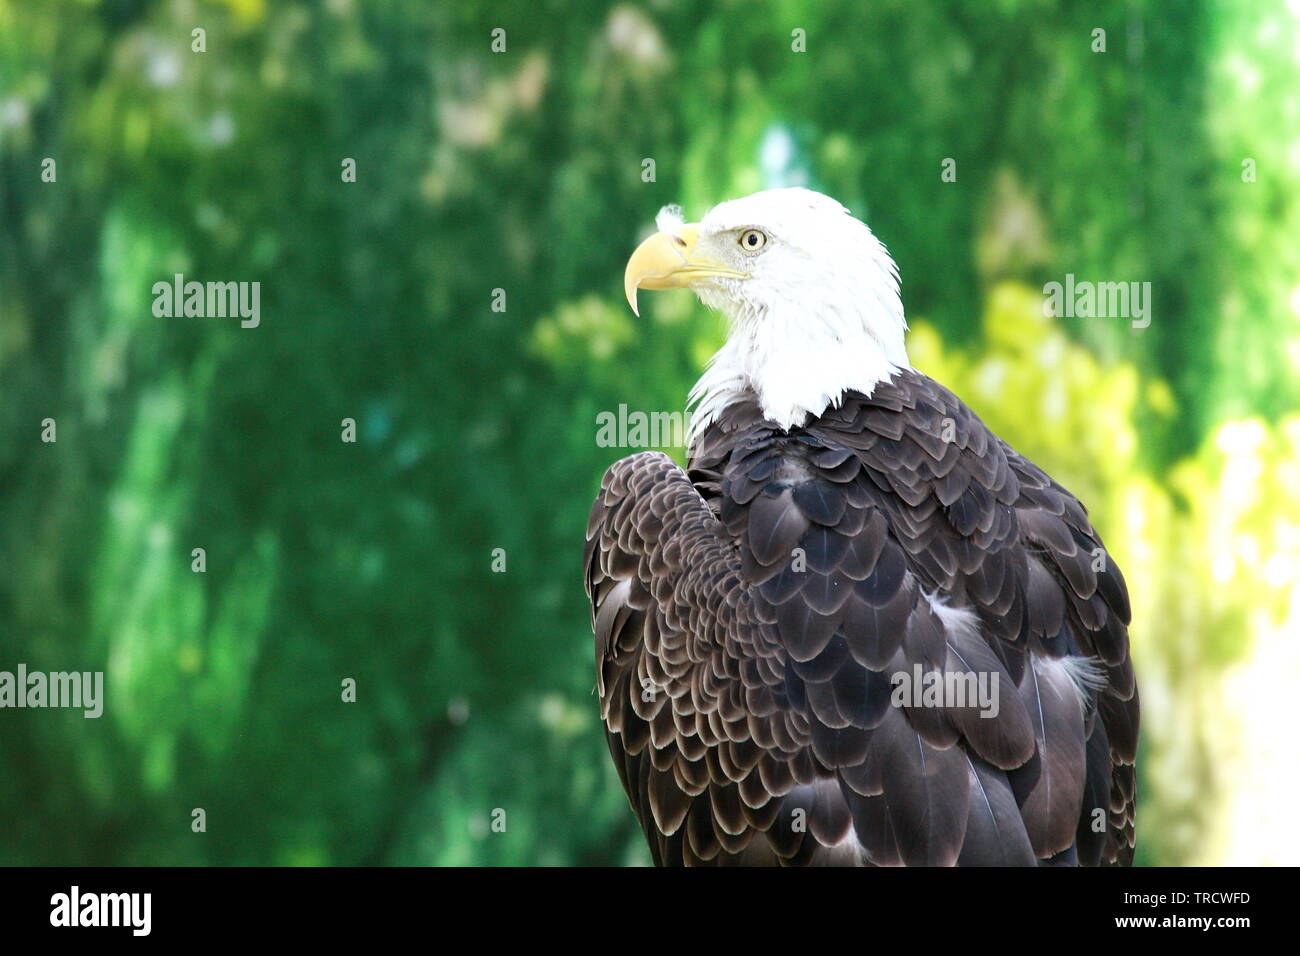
x=751 y=612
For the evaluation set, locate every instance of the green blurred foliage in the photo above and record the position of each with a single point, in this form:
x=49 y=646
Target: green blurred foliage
x=522 y=171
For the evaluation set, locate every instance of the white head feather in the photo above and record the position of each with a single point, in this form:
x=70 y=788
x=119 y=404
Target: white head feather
x=819 y=315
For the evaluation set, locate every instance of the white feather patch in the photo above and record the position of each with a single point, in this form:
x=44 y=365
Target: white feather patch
x=956 y=620
x=670 y=219
x=1087 y=675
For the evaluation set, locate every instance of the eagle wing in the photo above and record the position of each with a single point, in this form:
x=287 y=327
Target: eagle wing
x=752 y=618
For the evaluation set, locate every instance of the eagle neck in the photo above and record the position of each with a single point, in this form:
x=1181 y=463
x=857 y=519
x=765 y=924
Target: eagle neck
x=797 y=368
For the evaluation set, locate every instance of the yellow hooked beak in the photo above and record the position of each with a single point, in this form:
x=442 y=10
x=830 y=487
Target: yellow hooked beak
x=670 y=261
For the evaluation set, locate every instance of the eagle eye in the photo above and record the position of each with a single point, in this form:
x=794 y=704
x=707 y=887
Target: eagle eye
x=751 y=240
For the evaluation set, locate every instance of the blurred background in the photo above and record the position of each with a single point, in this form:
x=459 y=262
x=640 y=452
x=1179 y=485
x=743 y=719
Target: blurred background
x=1171 y=156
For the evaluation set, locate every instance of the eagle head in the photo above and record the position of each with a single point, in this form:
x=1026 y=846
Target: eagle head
x=811 y=296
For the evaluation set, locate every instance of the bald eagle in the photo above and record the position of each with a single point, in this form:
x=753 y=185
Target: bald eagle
x=859 y=629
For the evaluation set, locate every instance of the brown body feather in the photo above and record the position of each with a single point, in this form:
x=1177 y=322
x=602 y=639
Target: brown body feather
x=749 y=615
